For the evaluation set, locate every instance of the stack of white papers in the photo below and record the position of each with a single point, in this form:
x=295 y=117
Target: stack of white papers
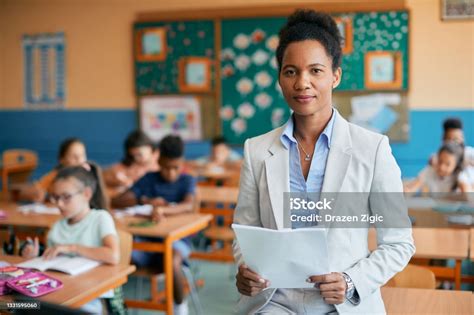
x=144 y=210
x=39 y=208
x=286 y=257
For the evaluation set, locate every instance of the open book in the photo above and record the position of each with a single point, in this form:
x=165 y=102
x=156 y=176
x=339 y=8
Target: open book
x=66 y=264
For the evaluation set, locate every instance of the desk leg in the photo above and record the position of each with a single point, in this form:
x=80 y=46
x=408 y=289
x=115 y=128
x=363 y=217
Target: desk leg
x=168 y=257
x=457 y=275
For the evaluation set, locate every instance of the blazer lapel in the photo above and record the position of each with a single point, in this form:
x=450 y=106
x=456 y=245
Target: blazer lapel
x=339 y=156
x=278 y=179
x=338 y=160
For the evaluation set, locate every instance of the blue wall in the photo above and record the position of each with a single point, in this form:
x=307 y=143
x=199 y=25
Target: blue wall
x=103 y=132
x=425 y=137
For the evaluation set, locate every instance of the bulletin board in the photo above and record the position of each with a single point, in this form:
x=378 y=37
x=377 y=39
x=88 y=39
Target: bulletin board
x=245 y=86
x=183 y=40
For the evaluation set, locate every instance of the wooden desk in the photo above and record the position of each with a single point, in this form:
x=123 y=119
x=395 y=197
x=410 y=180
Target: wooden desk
x=424 y=301
x=434 y=219
x=36 y=224
x=83 y=288
x=438 y=243
x=30 y=219
x=227 y=175
x=171 y=229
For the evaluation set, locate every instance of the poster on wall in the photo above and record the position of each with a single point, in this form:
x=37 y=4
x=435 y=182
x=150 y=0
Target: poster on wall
x=163 y=115
x=44 y=70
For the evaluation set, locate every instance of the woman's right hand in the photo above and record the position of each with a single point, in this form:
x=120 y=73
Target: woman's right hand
x=249 y=283
x=31 y=250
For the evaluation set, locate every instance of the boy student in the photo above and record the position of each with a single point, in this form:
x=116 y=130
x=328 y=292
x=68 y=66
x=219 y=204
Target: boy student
x=169 y=192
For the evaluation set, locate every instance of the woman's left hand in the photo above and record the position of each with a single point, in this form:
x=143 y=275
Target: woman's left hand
x=54 y=251
x=332 y=286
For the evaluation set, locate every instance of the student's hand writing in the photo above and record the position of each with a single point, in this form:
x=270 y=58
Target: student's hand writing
x=332 y=286
x=52 y=252
x=248 y=282
x=157 y=214
x=31 y=249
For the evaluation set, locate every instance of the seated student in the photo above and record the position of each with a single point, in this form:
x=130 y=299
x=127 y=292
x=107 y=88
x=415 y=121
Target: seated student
x=141 y=157
x=221 y=153
x=72 y=152
x=445 y=175
x=453 y=131
x=83 y=231
x=170 y=192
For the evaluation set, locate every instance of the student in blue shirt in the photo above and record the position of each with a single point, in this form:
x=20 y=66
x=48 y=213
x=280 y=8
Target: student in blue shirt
x=169 y=192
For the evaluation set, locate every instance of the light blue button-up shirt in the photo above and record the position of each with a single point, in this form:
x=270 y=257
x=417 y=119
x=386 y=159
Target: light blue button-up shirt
x=314 y=182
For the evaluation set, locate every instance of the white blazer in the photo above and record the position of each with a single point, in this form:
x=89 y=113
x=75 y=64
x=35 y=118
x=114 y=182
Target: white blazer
x=359 y=161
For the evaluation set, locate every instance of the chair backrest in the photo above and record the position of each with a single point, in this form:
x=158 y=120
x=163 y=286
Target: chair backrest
x=414 y=277
x=126 y=244
x=218 y=201
x=19 y=157
x=17 y=166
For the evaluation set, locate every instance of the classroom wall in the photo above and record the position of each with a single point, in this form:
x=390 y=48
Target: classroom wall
x=441 y=59
x=99 y=74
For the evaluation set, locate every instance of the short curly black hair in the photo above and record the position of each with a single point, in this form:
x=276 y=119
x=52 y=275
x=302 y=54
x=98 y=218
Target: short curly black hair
x=306 y=24
x=172 y=147
x=452 y=123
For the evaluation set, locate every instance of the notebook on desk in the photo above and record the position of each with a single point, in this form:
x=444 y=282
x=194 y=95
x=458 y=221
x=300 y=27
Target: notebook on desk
x=66 y=264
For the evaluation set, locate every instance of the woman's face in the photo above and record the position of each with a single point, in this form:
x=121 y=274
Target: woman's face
x=75 y=155
x=71 y=197
x=142 y=155
x=306 y=77
x=446 y=164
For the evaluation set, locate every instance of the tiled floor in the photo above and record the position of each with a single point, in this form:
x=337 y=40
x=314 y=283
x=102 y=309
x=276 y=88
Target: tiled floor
x=218 y=296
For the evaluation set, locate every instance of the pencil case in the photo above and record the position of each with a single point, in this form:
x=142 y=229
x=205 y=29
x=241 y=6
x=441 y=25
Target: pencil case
x=34 y=284
x=8 y=273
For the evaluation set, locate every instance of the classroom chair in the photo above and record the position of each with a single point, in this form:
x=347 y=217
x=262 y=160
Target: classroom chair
x=157 y=280
x=17 y=166
x=413 y=277
x=126 y=246
x=218 y=201
x=10 y=243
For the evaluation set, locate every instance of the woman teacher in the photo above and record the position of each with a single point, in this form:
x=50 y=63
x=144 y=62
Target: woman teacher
x=317 y=150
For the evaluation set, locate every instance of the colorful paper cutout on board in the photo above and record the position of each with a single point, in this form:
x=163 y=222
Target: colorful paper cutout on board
x=150 y=44
x=194 y=74
x=162 y=115
x=382 y=69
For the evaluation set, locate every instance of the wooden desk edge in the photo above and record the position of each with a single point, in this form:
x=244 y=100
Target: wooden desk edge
x=80 y=300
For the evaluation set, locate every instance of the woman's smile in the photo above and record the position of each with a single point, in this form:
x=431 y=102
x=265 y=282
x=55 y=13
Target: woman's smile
x=304 y=99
